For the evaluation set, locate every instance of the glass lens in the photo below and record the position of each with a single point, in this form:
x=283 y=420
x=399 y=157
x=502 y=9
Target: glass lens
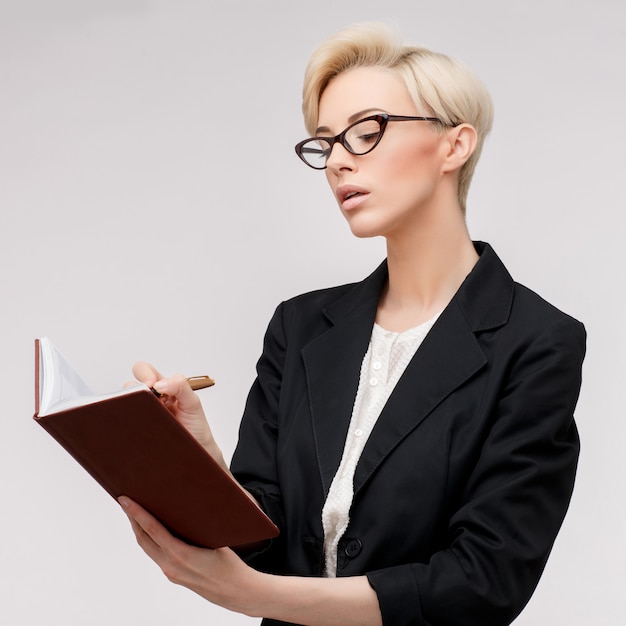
x=362 y=137
x=315 y=152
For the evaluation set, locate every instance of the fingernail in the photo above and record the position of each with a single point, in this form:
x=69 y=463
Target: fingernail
x=160 y=386
x=124 y=502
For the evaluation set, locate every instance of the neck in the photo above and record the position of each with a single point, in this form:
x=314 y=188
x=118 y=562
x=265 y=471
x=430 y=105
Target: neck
x=426 y=268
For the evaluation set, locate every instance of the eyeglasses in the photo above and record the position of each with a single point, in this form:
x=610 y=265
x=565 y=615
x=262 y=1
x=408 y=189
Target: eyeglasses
x=359 y=138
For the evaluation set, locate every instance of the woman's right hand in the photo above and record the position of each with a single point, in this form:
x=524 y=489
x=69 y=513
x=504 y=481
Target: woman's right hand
x=183 y=403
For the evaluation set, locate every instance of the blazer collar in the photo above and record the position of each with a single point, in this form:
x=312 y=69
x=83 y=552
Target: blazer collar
x=485 y=296
x=449 y=355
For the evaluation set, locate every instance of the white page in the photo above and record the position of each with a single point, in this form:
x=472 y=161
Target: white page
x=58 y=380
x=61 y=386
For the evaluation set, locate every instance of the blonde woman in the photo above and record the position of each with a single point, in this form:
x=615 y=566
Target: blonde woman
x=412 y=435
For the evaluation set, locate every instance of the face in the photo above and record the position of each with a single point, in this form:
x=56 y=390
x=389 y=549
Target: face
x=395 y=186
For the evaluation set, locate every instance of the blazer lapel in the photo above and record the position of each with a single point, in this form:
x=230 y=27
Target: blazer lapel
x=448 y=356
x=333 y=365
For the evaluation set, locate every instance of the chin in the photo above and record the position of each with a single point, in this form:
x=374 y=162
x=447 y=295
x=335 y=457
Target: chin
x=362 y=227
x=365 y=233
x=365 y=228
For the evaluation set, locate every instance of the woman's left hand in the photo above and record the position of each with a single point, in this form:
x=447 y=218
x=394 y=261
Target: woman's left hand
x=219 y=575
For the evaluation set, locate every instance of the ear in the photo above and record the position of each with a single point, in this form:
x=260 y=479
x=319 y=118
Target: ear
x=461 y=143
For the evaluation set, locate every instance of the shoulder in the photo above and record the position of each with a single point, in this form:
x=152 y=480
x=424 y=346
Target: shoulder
x=332 y=303
x=305 y=315
x=318 y=299
x=537 y=337
x=531 y=311
x=490 y=298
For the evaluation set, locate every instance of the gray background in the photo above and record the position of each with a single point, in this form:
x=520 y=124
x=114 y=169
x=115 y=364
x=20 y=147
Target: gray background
x=152 y=208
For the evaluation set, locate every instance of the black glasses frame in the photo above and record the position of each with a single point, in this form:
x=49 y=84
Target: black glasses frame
x=382 y=118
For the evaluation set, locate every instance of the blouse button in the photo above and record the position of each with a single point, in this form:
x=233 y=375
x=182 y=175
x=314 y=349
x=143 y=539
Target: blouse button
x=358 y=432
x=373 y=382
x=376 y=365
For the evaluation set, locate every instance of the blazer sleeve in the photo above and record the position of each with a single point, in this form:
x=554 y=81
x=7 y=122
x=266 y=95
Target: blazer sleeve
x=254 y=460
x=512 y=504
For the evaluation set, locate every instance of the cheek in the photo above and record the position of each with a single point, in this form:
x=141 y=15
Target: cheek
x=423 y=156
x=408 y=162
x=412 y=174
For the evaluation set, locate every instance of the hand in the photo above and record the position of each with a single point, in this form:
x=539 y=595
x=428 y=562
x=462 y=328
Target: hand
x=184 y=404
x=219 y=576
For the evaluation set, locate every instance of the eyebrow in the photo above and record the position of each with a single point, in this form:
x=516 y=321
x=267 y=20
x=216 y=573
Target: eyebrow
x=353 y=118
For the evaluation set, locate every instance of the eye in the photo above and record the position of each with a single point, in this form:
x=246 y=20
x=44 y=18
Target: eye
x=363 y=135
x=368 y=137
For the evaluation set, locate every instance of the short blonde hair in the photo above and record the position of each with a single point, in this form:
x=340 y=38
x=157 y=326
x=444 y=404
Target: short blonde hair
x=439 y=85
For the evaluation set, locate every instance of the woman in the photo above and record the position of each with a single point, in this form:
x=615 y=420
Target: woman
x=412 y=435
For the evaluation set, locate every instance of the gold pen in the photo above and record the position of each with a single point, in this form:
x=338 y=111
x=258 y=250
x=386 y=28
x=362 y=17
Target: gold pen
x=195 y=382
x=200 y=382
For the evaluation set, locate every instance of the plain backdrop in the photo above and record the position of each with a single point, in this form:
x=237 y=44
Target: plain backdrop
x=152 y=207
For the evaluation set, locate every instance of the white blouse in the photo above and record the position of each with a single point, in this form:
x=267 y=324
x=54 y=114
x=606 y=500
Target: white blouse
x=384 y=362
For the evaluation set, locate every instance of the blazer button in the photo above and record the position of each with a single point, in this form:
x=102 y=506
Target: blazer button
x=353 y=548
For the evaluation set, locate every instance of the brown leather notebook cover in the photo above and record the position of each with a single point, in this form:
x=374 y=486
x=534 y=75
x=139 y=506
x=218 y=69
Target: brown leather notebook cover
x=132 y=445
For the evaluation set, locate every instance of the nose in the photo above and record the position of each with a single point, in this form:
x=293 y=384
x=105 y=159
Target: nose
x=340 y=158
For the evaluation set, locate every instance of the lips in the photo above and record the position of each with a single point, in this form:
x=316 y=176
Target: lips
x=350 y=196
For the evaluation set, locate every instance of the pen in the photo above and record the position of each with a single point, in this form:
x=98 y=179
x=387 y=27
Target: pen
x=195 y=382
x=200 y=382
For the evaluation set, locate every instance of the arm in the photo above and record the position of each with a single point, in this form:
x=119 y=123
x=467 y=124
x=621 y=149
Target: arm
x=511 y=503
x=221 y=577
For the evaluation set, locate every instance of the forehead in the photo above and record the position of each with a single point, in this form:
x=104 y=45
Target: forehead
x=363 y=89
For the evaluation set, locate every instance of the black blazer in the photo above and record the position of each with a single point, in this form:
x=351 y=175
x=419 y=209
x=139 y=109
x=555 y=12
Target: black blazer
x=467 y=475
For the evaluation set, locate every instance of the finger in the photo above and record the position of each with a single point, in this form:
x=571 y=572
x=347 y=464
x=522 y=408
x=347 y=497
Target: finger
x=146 y=373
x=145 y=541
x=178 y=387
x=168 y=552
x=150 y=533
